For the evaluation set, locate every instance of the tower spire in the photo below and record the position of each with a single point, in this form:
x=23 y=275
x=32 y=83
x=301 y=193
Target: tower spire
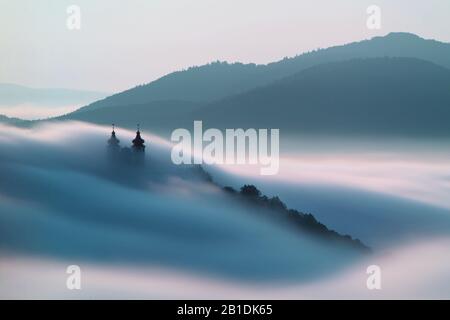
x=138 y=142
x=113 y=142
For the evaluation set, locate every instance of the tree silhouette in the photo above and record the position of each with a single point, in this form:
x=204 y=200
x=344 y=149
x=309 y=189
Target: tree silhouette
x=250 y=190
x=303 y=221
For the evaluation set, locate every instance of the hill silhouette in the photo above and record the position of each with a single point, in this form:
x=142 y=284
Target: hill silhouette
x=401 y=96
x=157 y=116
x=13 y=121
x=274 y=208
x=373 y=96
x=13 y=94
x=218 y=80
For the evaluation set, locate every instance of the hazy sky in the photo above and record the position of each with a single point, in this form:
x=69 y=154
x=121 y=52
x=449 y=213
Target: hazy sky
x=125 y=43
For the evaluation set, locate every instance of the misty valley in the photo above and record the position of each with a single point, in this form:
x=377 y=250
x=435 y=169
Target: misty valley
x=307 y=177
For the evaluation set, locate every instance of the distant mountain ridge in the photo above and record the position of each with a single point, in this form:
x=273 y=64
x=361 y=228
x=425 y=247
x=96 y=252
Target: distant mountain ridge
x=14 y=94
x=218 y=80
x=373 y=96
x=8 y=120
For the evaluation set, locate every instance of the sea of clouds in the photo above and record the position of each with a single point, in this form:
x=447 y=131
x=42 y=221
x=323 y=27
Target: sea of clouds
x=164 y=231
x=63 y=199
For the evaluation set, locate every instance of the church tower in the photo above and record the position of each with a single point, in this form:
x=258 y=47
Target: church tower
x=113 y=142
x=138 y=142
x=138 y=148
x=131 y=156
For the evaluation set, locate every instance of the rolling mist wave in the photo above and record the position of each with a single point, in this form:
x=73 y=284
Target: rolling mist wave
x=61 y=198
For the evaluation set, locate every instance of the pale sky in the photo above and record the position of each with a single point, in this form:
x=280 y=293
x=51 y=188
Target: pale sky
x=125 y=43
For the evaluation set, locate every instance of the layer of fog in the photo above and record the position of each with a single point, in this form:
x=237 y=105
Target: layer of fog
x=28 y=103
x=381 y=192
x=420 y=270
x=61 y=198
x=36 y=112
x=163 y=231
